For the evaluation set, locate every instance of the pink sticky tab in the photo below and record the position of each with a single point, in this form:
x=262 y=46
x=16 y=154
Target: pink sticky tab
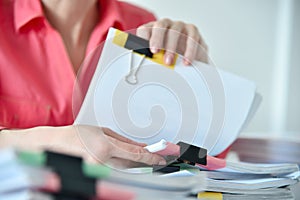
x=110 y=191
x=170 y=150
x=213 y=163
x=51 y=183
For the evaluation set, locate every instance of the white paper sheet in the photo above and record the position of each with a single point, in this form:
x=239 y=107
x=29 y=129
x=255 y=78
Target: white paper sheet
x=199 y=104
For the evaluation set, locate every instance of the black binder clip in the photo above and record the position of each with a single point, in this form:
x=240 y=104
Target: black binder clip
x=191 y=154
x=74 y=184
x=165 y=169
x=138 y=45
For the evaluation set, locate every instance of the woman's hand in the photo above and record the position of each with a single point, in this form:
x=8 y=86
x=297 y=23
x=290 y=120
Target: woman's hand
x=94 y=144
x=175 y=37
x=105 y=146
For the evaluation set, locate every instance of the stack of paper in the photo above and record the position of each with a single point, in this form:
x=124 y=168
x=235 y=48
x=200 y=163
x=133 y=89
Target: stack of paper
x=247 y=180
x=282 y=193
x=19 y=181
x=29 y=176
x=226 y=178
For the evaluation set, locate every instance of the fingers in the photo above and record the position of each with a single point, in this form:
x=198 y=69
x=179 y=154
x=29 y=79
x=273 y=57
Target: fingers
x=202 y=53
x=101 y=145
x=155 y=33
x=122 y=163
x=158 y=34
x=134 y=153
x=113 y=134
x=192 y=42
x=144 y=31
x=196 y=48
x=175 y=37
x=172 y=38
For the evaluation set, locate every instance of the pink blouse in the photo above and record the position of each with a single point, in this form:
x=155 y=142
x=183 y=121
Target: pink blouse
x=36 y=75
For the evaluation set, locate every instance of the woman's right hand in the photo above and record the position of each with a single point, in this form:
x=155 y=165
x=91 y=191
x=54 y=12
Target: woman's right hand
x=94 y=144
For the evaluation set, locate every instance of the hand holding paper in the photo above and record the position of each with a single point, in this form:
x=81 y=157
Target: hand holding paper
x=176 y=37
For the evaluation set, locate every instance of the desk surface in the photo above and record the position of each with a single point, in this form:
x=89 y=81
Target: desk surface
x=267 y=150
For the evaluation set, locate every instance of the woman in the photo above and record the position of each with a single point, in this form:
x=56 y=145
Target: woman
x=42 y=46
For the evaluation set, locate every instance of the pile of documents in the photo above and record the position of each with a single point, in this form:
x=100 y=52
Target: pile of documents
x=48 y=175
x=228 y=179
x=240 y=180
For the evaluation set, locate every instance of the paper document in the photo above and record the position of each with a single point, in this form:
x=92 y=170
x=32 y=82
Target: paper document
x=140 y=98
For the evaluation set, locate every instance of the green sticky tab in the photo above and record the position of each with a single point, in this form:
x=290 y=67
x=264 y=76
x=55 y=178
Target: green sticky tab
x=32 y=158
x=96 y=170
x=139 y=170
x=190 y=168
x=183 y=166
x=39 y=159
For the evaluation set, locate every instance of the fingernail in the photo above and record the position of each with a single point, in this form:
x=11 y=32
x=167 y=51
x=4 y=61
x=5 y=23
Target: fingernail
x=186 y=62
x=169 y=59
x=162 y=162
x=154 y=50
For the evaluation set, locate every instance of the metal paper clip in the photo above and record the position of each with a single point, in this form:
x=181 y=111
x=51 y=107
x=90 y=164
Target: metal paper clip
x=131 y=76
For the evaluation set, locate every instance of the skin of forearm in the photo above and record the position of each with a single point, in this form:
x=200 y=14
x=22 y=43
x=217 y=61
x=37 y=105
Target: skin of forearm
x=31 y=139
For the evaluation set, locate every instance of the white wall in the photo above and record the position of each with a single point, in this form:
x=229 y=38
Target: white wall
x=251 y=39
x=293 y=113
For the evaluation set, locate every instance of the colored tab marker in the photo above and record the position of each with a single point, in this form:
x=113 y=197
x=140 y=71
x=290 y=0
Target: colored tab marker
x=189 y=154
x=140 y=46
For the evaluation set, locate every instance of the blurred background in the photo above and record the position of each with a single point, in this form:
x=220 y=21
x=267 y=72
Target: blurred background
x=258 y=40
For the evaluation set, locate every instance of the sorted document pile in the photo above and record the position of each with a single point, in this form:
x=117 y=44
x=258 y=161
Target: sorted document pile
x=232 y=180
x=246 y=183
x=49 y=175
